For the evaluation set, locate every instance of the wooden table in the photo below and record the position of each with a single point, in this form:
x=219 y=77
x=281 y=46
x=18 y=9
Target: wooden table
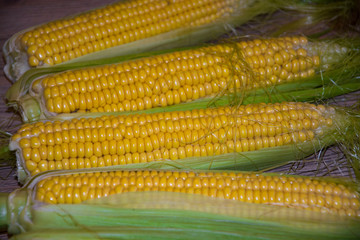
x=16 y=15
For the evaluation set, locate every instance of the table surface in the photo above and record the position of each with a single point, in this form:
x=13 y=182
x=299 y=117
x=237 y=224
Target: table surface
x=16 y=15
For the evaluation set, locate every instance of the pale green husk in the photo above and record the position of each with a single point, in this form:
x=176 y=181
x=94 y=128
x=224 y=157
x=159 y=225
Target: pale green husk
x=164 y=215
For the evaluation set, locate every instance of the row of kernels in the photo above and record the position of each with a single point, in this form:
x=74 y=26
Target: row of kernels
x=110 y=82
x=82 y=18
x=294 y=66
x=63 y=131
x=254 y=181
x=261 y=45
x=88 y=101
x=267 y=113
x=132 y=78
x=40 y=56
x=106 y=70
x=242 y=127
x=146 y=150
x=296 y=110
x=316 y=203
x=85 y=26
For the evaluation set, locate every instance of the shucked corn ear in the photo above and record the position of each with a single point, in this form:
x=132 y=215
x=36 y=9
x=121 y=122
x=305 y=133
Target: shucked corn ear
x=116 y=24
x=201 y=138
x=294 y=192
x=122 y=28
x=92 y=198
x=180 y=77
x=135 y=26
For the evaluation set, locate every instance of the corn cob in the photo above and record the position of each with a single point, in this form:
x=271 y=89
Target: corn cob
x=173 y=78
x=293 y=192
x=114 y=25
x=130 y=26
x=179 y=77
x=93 y=198
x=180 y=136
x=122 y=28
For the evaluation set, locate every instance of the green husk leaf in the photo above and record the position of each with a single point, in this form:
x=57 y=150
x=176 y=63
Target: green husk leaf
x=349 y=140
x=248 y=233
x=318 y=13
x=3 y=211
x=7 y=158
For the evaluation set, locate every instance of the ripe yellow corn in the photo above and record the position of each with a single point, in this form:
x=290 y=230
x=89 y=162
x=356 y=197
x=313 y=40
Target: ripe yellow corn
x=116 y=24
x=115 y=198
x=288 y=191
x=177 y=77
x=122 y=28
x=143 y=138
